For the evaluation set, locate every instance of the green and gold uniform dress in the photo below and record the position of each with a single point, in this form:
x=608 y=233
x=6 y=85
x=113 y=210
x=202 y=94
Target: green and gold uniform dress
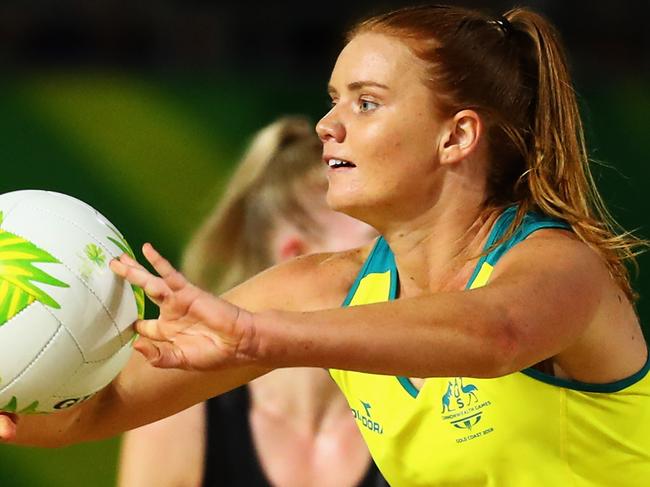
x=521 y=430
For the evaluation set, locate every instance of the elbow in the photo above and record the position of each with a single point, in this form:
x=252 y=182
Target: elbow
x=505 y=346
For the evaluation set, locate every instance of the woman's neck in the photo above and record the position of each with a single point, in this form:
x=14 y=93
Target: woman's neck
x=439 y=251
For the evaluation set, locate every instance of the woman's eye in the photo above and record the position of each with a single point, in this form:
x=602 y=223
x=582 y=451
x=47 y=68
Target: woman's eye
x=367 y=105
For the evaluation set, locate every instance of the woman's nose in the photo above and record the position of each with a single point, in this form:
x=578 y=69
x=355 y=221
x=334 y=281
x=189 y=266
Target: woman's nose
x=329 y=128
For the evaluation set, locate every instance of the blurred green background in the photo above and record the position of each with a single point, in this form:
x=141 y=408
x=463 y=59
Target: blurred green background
x=149 y=140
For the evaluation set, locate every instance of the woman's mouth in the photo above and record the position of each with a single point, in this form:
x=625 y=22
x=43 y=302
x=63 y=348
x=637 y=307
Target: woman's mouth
x=338 y=163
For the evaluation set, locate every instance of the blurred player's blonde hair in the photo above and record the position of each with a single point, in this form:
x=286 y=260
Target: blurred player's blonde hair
x=281 y=166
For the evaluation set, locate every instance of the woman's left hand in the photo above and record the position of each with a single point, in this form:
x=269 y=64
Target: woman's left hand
x=195 y=329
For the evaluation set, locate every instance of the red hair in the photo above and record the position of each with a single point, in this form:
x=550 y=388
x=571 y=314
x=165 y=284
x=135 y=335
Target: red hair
x=513 y=72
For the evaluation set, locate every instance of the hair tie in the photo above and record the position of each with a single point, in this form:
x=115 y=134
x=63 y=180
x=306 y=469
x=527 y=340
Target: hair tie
x=503 y=24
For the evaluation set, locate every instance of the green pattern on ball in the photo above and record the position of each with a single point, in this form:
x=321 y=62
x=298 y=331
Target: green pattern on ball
x=12 y=407
x=95 y=254
x=18 y=275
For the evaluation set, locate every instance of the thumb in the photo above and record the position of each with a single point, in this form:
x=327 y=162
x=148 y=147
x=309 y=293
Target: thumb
x=163 y=355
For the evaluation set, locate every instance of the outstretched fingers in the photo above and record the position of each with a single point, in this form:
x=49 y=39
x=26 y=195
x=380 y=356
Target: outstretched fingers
x=174 y=279
x=153 y=286
x=130 y=261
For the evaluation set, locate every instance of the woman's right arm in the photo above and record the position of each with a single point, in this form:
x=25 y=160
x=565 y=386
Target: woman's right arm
x=138 y=396
x=142 y=394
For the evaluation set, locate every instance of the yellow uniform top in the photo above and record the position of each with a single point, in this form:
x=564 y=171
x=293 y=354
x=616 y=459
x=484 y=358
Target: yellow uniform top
x=523 y=429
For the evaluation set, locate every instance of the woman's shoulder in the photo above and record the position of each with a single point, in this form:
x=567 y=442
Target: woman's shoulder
x=556 y=252
x=323 y=280
x=309 y=282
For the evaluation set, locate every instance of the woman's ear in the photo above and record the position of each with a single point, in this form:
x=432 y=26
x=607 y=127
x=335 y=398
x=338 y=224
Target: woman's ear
x=462 y=137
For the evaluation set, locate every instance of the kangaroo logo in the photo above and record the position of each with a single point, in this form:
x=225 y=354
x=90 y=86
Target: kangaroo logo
x=462 y=409
x=446 y=399
x=458 y=395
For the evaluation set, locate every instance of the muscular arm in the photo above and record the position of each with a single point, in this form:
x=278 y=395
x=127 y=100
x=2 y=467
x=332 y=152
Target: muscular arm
x=541 y=298
x=546 y=295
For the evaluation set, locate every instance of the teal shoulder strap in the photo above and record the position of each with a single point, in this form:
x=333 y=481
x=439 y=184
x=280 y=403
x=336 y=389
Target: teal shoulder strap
x=380 y=260
x=532 y=221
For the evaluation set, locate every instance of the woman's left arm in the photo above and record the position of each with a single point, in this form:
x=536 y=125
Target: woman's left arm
x=541 y=298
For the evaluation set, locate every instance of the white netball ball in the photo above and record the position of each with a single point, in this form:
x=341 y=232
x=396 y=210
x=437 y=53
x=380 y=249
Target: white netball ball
x=65 y=318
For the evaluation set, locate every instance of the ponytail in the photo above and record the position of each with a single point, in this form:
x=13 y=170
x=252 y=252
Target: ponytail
x=558 y=177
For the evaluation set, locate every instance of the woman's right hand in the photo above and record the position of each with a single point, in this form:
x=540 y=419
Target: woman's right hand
x=195 y=329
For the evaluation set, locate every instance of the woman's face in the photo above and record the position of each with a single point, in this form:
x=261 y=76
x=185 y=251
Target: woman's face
x=384 y=129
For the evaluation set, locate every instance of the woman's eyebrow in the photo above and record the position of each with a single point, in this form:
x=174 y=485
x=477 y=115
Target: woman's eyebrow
x=357 y=85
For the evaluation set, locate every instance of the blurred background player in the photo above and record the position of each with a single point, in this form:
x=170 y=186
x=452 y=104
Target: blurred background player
x=291 y=427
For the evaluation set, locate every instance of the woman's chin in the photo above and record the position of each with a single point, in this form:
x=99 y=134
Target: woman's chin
x=349 y=205
x=340 y=202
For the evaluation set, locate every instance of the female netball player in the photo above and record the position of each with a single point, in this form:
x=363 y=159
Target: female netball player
x=489 y=336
